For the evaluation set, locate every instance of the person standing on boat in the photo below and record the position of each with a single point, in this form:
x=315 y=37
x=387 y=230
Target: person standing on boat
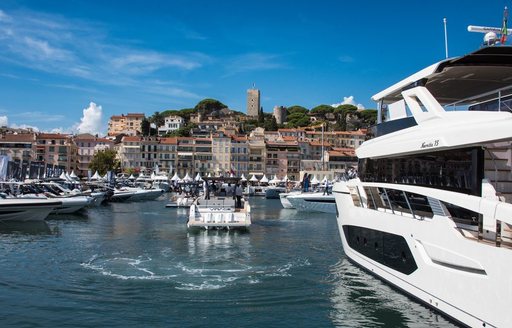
x=304 y=181
x=206 y=190
x=238 y=194
x=326 y=187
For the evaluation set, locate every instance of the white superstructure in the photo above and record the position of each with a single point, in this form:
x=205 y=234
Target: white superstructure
x=431 y=211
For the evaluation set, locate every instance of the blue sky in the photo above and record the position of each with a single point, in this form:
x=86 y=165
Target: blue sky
x=69 y=65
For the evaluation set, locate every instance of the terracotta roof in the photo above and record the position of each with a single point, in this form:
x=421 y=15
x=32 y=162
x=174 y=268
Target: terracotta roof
x=282 y=144
x=319 y=143
x=104 y=140
x=328 y=133
x=342 y=153
x=287 y=130
x=354 y=133
x=289 y=138
x=130 y=138
x=24 y=137
x=85 y=136
x=345 y=149
x=169 y=141
x=52 y=136
x=239 y=138
x=135 y=114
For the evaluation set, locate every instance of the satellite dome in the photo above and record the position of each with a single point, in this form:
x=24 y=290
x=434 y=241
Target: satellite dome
x=490 y=38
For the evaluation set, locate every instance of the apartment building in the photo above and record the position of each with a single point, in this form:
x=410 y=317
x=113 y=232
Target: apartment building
x=21 y=147
x=57 y=150
x=167 y=154
x=149 y=153
x=129 y=124
x=221 y=154
x=87 y=146
x=185 y=156
x=239 y=155
x=283 y=159
x=203 y=156
x=129 y=152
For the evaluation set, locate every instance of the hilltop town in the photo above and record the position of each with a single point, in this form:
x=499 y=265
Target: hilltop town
x=207 y=139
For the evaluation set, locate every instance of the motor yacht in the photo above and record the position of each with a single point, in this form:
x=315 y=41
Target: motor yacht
x=220 y=211
x=431 y=212
x=26 y=209
x=311 y=202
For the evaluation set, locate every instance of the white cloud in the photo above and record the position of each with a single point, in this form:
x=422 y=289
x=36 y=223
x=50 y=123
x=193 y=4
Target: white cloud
x=3 y=16
x=253 y=62
x=83 y=49
x=3 y=121
x=349 y=101
x=25 y=127
x=143 y=63
x=91 y=120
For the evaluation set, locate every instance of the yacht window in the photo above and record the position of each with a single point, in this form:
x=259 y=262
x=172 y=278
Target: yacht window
x=461 y=214
x=419 y=205
x=355 y=196
x=457 y=170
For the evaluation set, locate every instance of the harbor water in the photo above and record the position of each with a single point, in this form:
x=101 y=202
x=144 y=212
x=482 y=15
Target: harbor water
x=135 y=264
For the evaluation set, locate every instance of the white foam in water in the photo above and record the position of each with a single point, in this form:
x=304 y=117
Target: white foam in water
x=193 y=276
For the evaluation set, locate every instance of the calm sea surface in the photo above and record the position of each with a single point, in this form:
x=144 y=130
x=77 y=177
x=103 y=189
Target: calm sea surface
x=135 y=264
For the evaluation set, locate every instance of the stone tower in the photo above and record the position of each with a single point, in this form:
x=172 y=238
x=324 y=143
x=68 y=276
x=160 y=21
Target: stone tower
x=280 y=114
x=253 y=102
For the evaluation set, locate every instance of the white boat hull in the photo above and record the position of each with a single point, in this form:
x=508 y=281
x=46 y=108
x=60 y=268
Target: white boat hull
x=313 y=203
x=284 y=199
x=71 y=204
x=24 y=209
x=135 y=194
x=451 y=273
x=219 y=213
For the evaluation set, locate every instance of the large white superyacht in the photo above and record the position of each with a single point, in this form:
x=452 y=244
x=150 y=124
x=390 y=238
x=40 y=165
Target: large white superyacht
x=431 y=211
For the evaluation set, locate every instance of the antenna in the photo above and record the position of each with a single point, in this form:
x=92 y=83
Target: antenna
x=491 y=33
x=445 y=38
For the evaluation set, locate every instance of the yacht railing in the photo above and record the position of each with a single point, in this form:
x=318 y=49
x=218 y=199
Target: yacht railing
x=474 y=218
x=499 y=95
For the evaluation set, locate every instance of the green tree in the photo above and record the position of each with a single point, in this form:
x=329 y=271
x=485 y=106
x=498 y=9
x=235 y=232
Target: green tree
x=270 y=123
x=342 y=112
x=104 y=161
x=206 y=106
x=261 y=117
x=184 y=131
x=158 y=119
x=368 y=117
x=296 y=108
x=322 y=109
x=145 y=127
x=297 y=117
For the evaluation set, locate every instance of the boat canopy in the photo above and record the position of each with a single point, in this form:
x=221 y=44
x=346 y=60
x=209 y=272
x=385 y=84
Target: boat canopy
x=457 y=80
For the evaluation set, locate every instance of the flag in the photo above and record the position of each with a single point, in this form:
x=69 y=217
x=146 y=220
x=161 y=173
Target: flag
x=504 y=30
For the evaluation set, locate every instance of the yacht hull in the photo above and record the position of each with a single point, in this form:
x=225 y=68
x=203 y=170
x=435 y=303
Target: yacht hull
x=26 y=209
x=71 y=204
x=430 y=260
x=313 y=203
x=134 y=195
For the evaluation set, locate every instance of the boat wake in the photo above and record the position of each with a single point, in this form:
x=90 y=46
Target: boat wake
x=190 y=275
